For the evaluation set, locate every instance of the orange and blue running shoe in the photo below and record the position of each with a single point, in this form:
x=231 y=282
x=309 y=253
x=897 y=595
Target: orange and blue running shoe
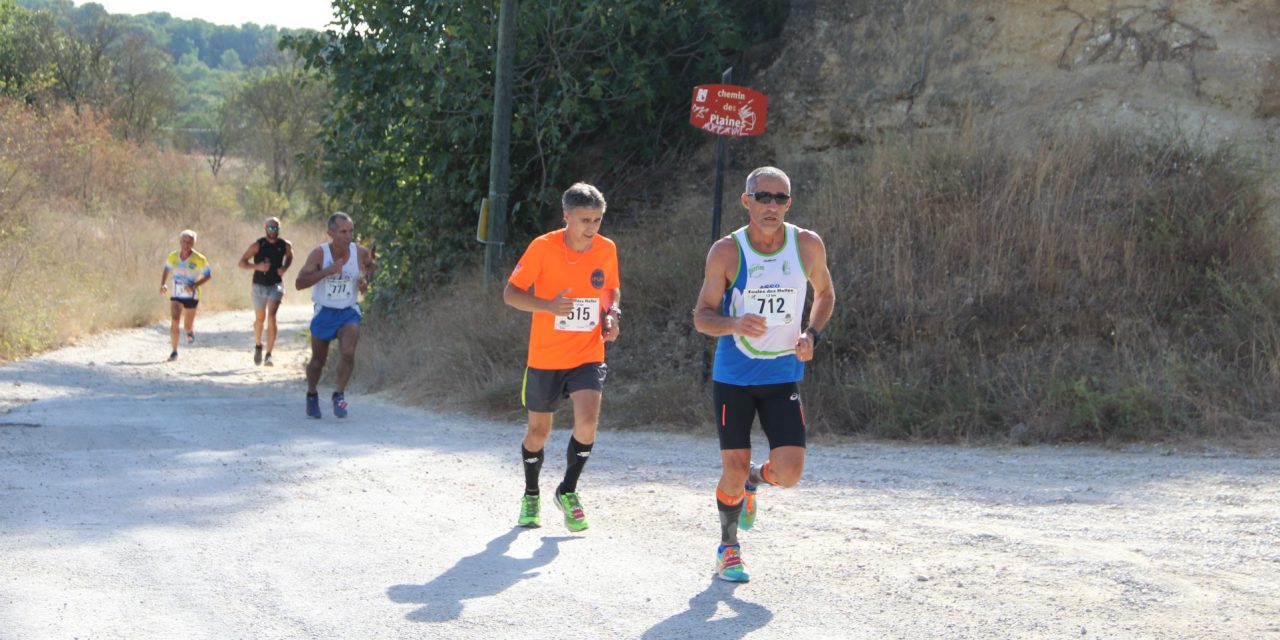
x=747 y=517
x=729 y=564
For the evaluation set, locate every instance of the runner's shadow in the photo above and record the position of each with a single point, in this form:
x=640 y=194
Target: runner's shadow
x=487 y=573
x=698 y=621
x=220 y=374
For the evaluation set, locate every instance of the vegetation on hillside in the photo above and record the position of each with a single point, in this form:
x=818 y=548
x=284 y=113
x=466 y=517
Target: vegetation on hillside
x=86 y=219
x=224 y=92
x=120 y=131
x=599 y=88
x=1101 y=287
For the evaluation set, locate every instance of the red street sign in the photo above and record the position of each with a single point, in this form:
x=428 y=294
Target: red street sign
x=728 y=110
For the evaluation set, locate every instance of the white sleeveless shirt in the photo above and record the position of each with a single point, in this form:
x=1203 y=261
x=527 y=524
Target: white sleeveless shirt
x=338 y=291
x=774 y=286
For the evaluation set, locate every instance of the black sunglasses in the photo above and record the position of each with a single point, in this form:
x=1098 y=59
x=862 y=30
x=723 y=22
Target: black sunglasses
x=764 y=197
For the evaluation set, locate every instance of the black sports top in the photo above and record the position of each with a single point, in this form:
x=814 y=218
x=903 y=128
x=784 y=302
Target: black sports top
x=273 y=253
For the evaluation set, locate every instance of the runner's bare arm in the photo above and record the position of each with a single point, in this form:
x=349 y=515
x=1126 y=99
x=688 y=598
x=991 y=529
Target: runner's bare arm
x=248 y=256
x=612 y=328
x=164 y=279
x=525 y=301
x=367 y=267
x=311 y=272
x=288 y=258
x=722 y=260
x=814 y=253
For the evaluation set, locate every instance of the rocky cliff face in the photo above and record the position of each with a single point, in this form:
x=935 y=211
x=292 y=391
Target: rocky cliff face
x=848 y=69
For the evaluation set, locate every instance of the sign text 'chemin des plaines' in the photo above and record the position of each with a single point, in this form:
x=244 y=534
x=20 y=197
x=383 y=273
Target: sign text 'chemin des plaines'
x=728 y=110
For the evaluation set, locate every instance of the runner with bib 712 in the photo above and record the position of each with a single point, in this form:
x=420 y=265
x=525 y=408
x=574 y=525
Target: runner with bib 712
x=752 y=299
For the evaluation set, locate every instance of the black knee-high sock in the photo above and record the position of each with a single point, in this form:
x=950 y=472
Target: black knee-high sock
x=532 y=467
x=578 y=454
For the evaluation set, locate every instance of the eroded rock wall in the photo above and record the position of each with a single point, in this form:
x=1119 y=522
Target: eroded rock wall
x=850 y=69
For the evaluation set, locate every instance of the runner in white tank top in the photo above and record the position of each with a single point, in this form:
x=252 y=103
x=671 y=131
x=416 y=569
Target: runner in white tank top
x=752 y=299
x=337 y=291
x=339 y=277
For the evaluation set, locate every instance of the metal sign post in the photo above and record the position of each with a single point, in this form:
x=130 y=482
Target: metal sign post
x=718 y=204
x=728 y=111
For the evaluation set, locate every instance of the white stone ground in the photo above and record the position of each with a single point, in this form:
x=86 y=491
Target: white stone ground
x=145 y=499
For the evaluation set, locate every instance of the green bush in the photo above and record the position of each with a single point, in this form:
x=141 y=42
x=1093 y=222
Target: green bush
x=600 y=86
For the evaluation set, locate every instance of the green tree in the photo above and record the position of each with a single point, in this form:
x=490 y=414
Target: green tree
x=283 y=107
x=228 y=131
x=26 y=70
x=598 y=83
x=230 y=60
x=144 y=86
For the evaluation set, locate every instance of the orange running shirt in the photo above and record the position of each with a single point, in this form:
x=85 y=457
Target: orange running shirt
x=549 y=266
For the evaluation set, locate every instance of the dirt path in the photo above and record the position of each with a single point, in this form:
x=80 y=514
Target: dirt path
x=143 y=499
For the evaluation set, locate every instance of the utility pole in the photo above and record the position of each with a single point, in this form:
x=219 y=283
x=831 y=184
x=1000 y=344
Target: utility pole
x=500 y=142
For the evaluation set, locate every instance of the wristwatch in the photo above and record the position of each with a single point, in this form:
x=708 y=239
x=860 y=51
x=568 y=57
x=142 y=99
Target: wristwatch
x=817 y=337
x=615 y=310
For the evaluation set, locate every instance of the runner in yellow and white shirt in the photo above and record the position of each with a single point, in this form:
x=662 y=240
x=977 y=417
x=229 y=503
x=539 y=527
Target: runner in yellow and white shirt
x=188 y=269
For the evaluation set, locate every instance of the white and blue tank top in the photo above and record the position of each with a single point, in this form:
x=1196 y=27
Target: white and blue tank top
x=774 y=286
x=338 y=291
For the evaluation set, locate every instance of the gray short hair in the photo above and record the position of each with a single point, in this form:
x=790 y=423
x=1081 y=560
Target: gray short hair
x=768 y=172
x=187 y=233
x=335 y=217
x=582 y=195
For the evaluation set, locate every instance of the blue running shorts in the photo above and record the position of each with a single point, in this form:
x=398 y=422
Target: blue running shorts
x=327 y=321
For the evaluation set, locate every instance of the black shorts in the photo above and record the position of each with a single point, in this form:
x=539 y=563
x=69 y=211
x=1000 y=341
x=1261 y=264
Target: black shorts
x=543 y=389
x=778 y=405
x=189 y=303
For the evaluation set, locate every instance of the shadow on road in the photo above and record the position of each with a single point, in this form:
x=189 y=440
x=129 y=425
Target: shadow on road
x=701 y=620
x=487 y=573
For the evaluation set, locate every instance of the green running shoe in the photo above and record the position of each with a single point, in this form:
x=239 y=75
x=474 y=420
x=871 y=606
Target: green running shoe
x=574 y=518
x=747 y=517
x=729 y=564
x=530 y=512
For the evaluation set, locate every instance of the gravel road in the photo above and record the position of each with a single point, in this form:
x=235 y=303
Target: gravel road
x=146 y=499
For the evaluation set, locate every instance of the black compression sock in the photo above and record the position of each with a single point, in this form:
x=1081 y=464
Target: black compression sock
x=532 y=468
x=577 y=459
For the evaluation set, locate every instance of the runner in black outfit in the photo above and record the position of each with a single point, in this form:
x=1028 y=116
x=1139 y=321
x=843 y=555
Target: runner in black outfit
x=269 y=257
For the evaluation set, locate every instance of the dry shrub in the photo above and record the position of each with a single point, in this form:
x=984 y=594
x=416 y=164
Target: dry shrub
x=87 y=222
x=458 y=347
x=1100 y=286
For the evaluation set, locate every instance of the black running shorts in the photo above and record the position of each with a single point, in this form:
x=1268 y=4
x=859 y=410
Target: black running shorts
x=778 y=405
x=544 y=388
x=188 y=303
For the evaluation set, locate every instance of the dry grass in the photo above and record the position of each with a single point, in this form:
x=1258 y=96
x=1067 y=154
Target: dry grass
x=1097 y=287
x=86 y=221
x=1101 y=286
x=460 y=348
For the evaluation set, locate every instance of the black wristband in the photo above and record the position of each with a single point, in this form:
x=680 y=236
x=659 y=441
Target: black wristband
x=817 y=337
